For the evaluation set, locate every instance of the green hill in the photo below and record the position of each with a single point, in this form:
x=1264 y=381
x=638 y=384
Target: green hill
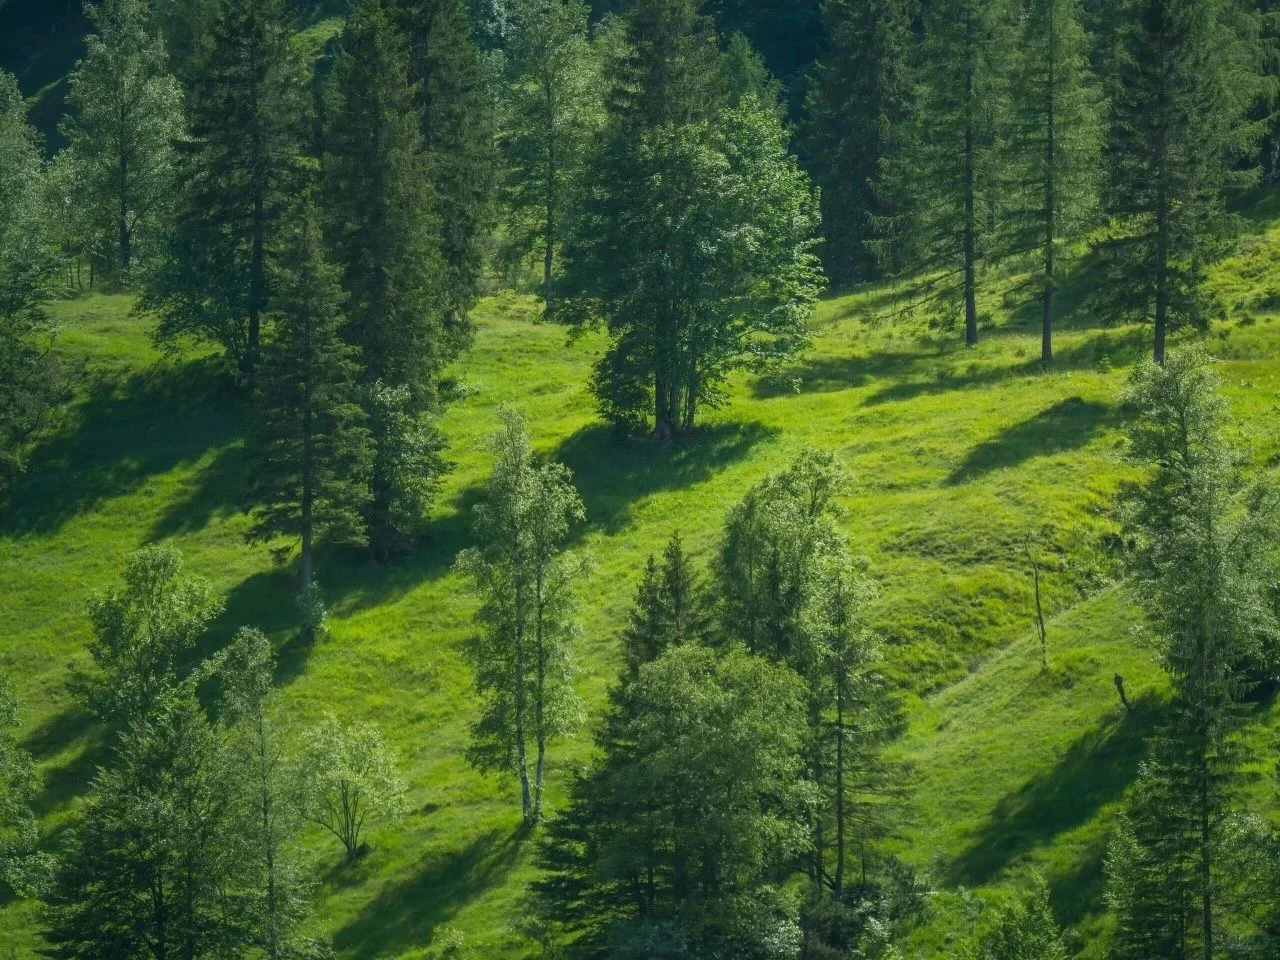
x=959 y=457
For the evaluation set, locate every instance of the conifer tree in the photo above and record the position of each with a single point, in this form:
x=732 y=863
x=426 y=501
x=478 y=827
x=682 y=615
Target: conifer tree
x=310 y=444
x=1056 y=135
x=554 y=107
x=527 y=584
x=953 y=171
x=459 y=134
x=1185 y=77
x=1204 y=565
x=669 y=610
x=859 y=108
x=240 y=171
x=125 y=116
x=29 y=385
x=385 y=236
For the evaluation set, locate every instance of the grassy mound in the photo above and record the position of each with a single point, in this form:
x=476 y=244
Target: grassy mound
x=961 y=459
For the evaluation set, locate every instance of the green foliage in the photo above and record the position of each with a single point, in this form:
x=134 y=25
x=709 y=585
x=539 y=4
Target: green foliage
x=1024 y=929
x=695 y=250
x=151 y=863
x=23 y=869
x=408 y=465
x=1185 y=76
x=124 y=117
x=349 y=781
x=860 y=105
x=1056 y=136
x=458 y=134
x=954 y=170
x=28 y=382
x=673 y=853
x=526 y=583
x=240 y=171
x=554 y=106
x=670 y=609
x=144 y=631
x=309 y=444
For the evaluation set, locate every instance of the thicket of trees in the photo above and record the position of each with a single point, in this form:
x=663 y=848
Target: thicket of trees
x=679 y=175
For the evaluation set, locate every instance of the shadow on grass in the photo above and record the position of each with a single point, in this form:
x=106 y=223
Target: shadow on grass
x=217 y=492
x=833 y=374
x=612 y=473
x=119 y=434
x=1067 y=425
x=1095 y=771
x=404 y=914
x=1101 y=351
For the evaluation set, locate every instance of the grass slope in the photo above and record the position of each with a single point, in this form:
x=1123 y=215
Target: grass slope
x=959 y=457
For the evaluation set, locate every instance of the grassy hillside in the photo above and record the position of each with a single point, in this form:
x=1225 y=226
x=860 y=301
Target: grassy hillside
x=959 y=457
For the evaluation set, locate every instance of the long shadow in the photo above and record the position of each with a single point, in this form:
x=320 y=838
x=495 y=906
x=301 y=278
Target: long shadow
x=217 y=492
x=403 y=915
x=120 y=433
x=1094 y=772
x=1107 y=348
x=612 y=473
x=833 y=374
x=1067 y=425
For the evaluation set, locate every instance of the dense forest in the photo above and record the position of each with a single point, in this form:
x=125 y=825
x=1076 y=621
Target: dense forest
x=303 y=214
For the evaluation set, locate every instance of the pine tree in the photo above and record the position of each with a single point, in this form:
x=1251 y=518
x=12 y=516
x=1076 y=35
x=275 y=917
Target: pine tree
x=527 y=585
x=386 y=238
x=555 y=108
x=1185 y=78
x=859 y=109
x=309 y=444
x=459 y=135
x=240 y=170
x=669 y=609
x=125 y=115
x=1056 y=135
x=953 y=171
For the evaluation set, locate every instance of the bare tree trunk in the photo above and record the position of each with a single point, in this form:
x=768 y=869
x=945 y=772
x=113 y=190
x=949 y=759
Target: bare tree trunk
x=1051 y=195
x=970 y=224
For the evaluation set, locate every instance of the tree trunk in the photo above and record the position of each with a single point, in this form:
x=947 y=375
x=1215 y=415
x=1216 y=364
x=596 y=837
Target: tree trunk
x=1051 y=195
x=257 y=288
x=970 y=224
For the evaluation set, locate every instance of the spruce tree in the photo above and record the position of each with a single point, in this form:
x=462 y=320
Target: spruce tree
x=459 y=131
x=1185 y=78
x=29 y=385
x=240 y=170
x=385 y=235
x=1056 y=137
x=669 y=610
x=555 y=107
x=309 y=443
x=953 y=171
x=125 y=116
x=859 y=109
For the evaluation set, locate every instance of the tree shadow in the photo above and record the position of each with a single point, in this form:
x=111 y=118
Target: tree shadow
x=217 y=492
x=1100 y=351
x=404 y=914
x=1067 y=425
x=612 y=473
x=1095 y=771
x=834 y=374
x=119 y=434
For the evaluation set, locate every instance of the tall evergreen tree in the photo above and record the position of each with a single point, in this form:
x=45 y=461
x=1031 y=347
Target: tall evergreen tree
x=669 y=610
x=240 y=170
x=555 y=107
x=309 y=443
x=953 y=173
x=28 y=380
x=125 y=117
x=1056 y=133
x=386 y=238
x=527 y=584
x=459 y=134
x=859 y=109
x=1185 y=77
x=1203 y=573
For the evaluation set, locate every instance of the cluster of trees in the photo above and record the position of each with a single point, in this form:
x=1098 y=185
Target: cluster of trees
x=949 y=137
x=189 y=843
